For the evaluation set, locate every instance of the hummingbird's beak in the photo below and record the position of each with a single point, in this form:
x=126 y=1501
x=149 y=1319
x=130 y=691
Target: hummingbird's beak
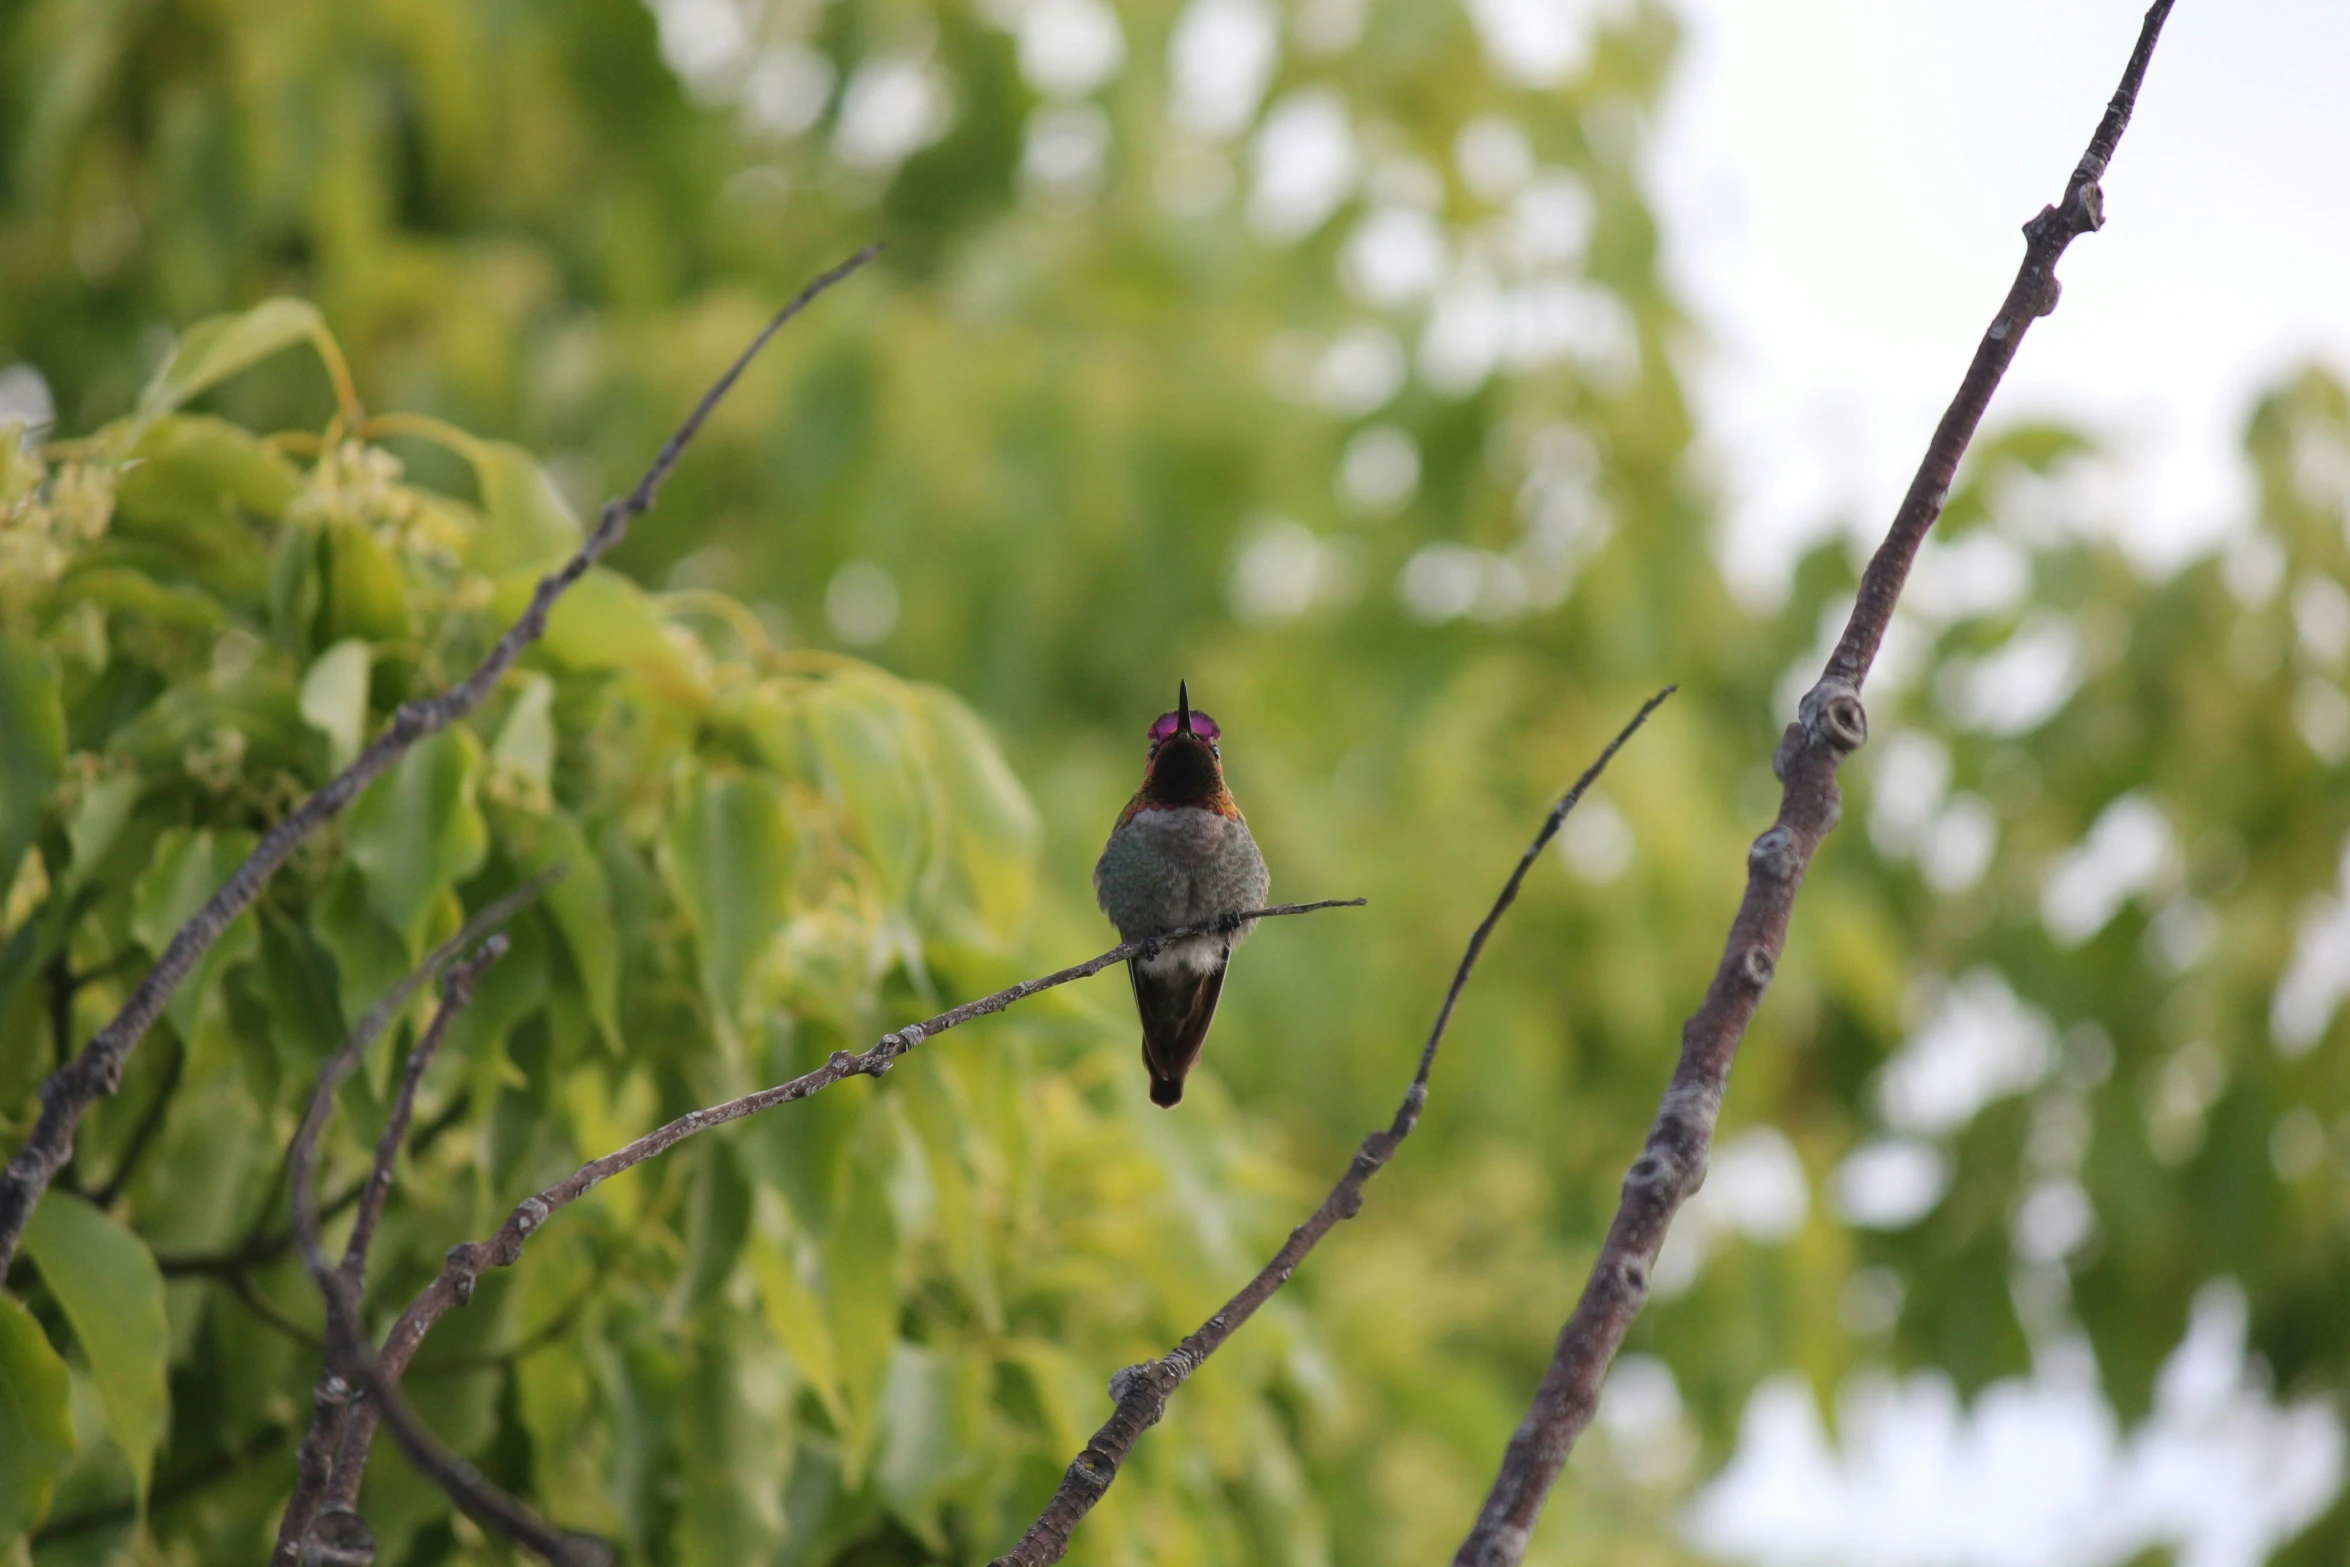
x=1183 y=707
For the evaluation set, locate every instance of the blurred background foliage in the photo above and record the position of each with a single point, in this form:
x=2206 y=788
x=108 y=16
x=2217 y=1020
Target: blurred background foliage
x=1319 y=354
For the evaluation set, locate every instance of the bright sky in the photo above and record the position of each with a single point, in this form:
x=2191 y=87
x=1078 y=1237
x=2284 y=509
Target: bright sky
x=1844 y=181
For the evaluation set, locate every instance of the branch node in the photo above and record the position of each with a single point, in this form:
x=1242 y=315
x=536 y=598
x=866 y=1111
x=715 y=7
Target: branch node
x=1831 y=711
x=1773 y=855
x=1504 y=1546
x=338 y=1537
x=1092 y=1470
x=1790 y=748
x=1126 y=1379
x=1757 y=967
x=2088 y=208
x=463 y=1265
x=530 y=1215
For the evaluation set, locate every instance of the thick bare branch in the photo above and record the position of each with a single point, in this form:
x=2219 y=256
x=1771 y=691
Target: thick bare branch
x=467 y=1262
x=97 y=1071
x=1141 y=1392
x=1830 y=726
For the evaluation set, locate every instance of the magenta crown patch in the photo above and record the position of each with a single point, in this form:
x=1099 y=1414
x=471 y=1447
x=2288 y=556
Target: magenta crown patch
x=1201 y=725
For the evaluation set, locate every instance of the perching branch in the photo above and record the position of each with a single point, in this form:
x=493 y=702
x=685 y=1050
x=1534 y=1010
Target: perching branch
x=370 y=1381
x=1141 y=1392
x=97 y=1071
x=1832 y=724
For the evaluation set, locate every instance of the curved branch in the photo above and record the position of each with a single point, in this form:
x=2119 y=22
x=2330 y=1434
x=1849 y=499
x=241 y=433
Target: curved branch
x=1832 y=724
x=1141 y=1392
x=97 y=1071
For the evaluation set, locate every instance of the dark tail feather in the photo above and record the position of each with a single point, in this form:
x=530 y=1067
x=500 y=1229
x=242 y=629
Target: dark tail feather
x=1176 y=1011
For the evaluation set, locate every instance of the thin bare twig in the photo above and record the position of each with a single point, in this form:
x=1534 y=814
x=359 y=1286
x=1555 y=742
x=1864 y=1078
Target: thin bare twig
x=1141 y=1392
x=332 y=1395
x=467 y=1262
x=378 y=1187
x=1831 y=725
x=350 y=1362
x=97 y=1071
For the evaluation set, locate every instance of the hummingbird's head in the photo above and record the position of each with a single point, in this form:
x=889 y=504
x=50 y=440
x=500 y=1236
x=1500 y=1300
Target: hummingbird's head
x=1186 y=722
x=1185 y=766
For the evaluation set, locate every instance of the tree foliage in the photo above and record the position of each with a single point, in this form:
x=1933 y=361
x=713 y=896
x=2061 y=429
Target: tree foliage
x=1418 y=539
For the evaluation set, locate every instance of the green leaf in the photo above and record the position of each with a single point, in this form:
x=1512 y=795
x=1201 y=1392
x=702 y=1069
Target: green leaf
x=216 y=348
x=581 y=902
x=526 y=740
x=258 y=703
x=302 y=995
x=918 y=1439
x=861 y=1283
x=364 y=594
x=32 y=744
x=296 y=586
x=556 y=1401
x=185 y=506
x=867 y=742
x=992 y=829
x=728 y=859
x=947 y=1133
x=106 y=1282
x=525 y=524
x=191 y=455
x=603 y=622
x=334 y=699
x=717 y=1222
x=734 y=1447
x=186 y=868
x=36 y=1420
x=129 y=592
x=369 y=955
x=417 y=831
x=796 y=1317
x=96 y=821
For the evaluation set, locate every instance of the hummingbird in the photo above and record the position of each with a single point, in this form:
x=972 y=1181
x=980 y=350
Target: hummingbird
x=1180 y=855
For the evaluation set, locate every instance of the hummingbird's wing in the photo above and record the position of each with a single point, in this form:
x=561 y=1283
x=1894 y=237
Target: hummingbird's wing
x=1177 y=1003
